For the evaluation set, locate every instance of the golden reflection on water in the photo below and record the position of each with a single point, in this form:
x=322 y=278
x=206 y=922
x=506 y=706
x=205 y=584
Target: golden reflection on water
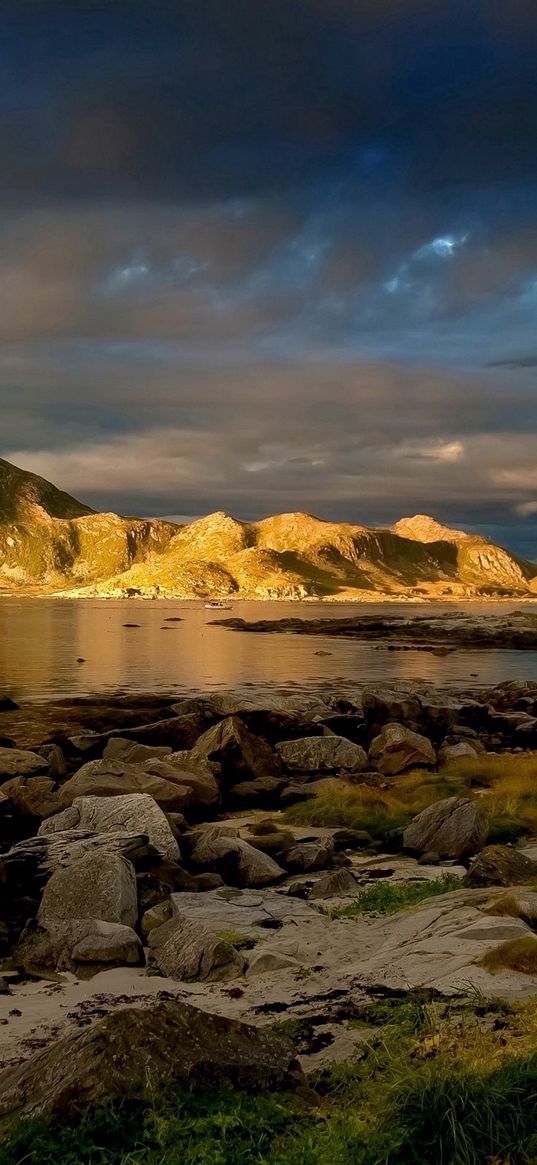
x=41 y=641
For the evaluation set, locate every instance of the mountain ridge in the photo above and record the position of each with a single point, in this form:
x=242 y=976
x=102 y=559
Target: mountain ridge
x=50 y=543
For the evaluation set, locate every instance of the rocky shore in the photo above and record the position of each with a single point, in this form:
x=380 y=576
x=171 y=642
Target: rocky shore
x=516 y=630
x=219 y=861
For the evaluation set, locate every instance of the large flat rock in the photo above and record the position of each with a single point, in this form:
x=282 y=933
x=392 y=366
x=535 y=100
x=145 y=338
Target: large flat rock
x=242 y=910
x=441 y=944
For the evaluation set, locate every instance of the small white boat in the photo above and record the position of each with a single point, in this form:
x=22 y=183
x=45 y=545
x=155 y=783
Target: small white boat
x=217 y=606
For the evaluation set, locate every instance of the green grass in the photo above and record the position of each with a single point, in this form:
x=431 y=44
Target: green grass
x=435 y=1085
x=385 y=898
x=465 y=1118
x=349 y=809
x=236 y=939
x=378 y=812
x=505 y=787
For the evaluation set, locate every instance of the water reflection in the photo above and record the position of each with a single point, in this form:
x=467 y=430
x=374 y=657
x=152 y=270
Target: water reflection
x=42 y=640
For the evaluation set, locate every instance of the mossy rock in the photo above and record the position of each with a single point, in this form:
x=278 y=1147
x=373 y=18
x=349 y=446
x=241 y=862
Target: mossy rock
x=499 y=865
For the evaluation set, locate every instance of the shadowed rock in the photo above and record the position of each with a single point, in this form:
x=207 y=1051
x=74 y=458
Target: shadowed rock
x=336 y=884
x=76 y=944
x=135 y=1051
x=32 y=796
x=452 y=828
x=131 y=753
x=99 y=885
x=172 y=788
x=499 y=865
x=20 y=762
x=185 y=949
x=322 y=754
x=237 y=861
x=241 y=755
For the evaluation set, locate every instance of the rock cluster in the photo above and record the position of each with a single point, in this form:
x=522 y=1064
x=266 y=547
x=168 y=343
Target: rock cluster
x=100 y=828
x=123 y=848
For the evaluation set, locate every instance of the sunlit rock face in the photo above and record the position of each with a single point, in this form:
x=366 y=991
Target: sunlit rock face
x=47 y=537
x=50 y=543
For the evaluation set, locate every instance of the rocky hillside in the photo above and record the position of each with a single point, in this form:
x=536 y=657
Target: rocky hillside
x=51 y=542
x=294 y=556
x=48 y=538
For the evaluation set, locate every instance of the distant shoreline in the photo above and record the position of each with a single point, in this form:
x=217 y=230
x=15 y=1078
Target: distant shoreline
x=411 y=600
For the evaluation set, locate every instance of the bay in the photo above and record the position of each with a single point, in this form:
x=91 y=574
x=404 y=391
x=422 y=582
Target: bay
x=44 y=641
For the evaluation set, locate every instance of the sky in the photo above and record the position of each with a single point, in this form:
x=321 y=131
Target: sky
x=273 y=255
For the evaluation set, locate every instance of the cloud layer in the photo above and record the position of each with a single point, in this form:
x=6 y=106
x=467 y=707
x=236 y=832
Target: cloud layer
x=265 y=257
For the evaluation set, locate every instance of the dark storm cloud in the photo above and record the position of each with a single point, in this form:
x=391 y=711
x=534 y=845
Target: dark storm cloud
x=203 y=99
x=283 y=255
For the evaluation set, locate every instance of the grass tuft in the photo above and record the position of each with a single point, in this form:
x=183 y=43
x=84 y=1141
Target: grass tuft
x=518 y=954
x=267 y=826
x=236 y=939
x=383 y=898
x=466 y=1117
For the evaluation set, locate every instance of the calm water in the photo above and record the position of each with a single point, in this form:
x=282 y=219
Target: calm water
x=41 y=640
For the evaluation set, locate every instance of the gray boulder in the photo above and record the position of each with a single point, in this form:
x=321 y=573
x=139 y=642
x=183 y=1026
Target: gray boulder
x=155 y=917
x=216 y=705
x=52 y=850
x=185 y=949
x=525 y=735
x=267 y=961
x=499 y=865
x=174 y=784
x=99 y=885
x=396 y=749
x=102 y=778
x=107 y=943
x=28 y=865
x=134 y=813
x=175 y=732
x=441 y=716
x=450 y=753
x=202 y=786
x=309 y=855
x=263 y=793
x=384 y=706
x=335 y=884
x=241 y=755
x=452 y=828
x=322 y=754
x=53 y=755
x=119 y=748
x=237 y=861
x=20 y=762
x=32 y=796
x=66 y=945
